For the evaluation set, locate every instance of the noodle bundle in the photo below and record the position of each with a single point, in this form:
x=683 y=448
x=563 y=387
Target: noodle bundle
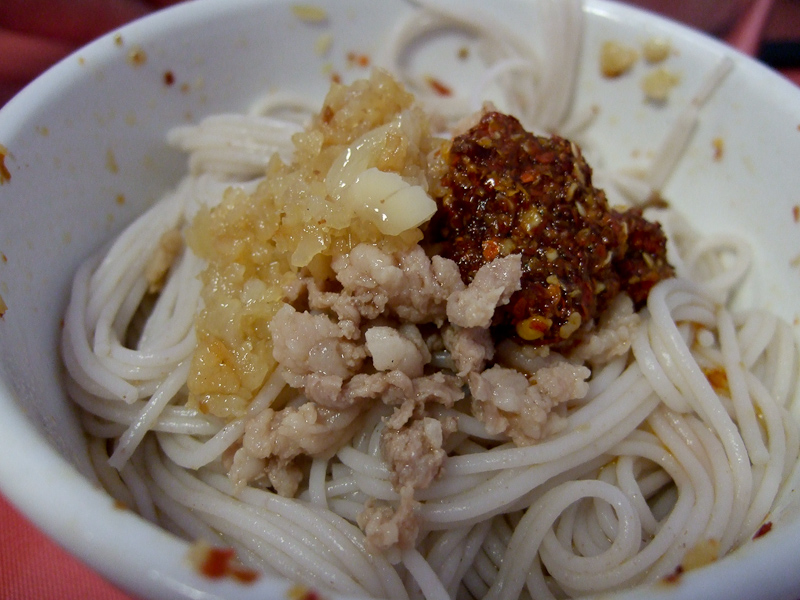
x=667 y=443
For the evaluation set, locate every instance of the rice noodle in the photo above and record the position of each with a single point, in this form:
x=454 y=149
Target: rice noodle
x=687 y=438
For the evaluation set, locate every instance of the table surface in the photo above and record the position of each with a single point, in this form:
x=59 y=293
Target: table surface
x=32 y=567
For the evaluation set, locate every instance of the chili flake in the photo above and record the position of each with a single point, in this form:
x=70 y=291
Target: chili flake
x=763 y=530
x=438 y=87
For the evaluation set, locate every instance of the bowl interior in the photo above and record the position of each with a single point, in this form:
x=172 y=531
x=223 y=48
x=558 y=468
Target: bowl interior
x=86 y=153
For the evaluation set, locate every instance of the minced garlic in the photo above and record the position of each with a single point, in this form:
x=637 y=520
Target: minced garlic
x=359 y=175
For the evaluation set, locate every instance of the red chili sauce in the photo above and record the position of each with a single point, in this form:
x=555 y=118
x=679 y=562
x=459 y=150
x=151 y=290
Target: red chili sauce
x=509 y=191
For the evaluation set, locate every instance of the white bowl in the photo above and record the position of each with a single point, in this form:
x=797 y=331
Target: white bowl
x=86 y=153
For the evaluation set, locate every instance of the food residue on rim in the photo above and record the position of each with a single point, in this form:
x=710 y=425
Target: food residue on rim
x=675 y=576
x=137 y=56
x=118 y=39
x=719 y=148
x=616 y=58
x=111 y=161
x=763 y=530
x=656 y=49
x=217 y=563
x=796 y=213
x=701 y=554
x=120 y=199
x=657 y=84
x=438 y=87
x=3 y=307
x=309 y=13
x=301 y=592
x=5 y=174
x=357 y=59
x=323 y=44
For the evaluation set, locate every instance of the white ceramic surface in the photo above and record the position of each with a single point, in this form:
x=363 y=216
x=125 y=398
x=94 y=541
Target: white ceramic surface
x=87 y=153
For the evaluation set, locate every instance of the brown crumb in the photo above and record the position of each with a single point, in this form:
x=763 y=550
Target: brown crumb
x=718 y=379
x=137 y=56
x=655 y=200
x=169 y=78
x=796 y=213
x=3 y=307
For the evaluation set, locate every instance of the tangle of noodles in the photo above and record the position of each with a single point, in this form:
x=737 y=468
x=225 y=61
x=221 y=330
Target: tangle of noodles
x=683 y=441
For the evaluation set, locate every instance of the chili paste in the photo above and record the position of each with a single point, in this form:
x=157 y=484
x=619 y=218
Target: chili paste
x=505 y=191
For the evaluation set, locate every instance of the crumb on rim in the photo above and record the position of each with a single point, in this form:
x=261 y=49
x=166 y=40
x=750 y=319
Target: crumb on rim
x=5 y=174
x=310 y=13
x=616 y=58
